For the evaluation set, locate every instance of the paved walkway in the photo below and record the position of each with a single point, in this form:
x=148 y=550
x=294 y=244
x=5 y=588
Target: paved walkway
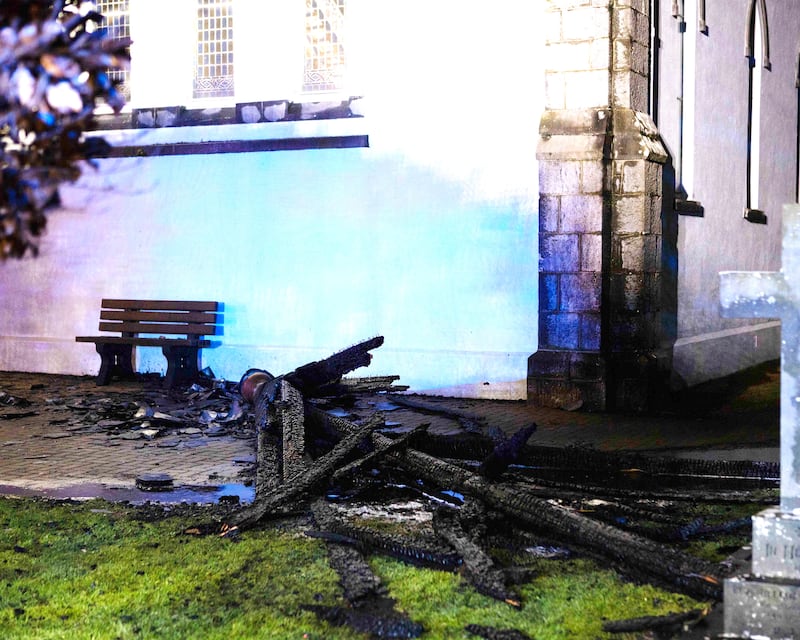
x=65 y=436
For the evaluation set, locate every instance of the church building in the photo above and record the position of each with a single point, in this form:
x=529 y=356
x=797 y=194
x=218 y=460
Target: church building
x=527 y=199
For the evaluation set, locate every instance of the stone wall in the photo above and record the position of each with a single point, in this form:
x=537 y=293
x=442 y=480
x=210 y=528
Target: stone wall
x=600 y=176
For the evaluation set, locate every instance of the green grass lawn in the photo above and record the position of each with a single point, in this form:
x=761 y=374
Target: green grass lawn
x=94 y=570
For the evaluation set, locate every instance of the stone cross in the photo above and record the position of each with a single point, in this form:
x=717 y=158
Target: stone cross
x=776 y=294
x=766 y=602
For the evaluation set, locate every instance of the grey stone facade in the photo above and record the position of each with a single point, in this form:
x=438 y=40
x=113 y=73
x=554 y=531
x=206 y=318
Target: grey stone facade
x=600 y=182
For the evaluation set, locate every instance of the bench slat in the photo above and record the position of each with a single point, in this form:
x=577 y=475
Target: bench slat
x=160 y=305
x=145 y=342
x=162 y=316
x=159 y=328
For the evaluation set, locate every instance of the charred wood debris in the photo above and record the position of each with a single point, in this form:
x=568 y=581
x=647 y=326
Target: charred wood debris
x=483 y=490
x=480 y=490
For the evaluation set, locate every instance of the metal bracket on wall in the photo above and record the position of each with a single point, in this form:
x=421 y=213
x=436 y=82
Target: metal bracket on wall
x=689 y=208
x=756 y=216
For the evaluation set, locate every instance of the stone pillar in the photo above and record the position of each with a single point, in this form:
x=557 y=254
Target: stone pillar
x=600 y=176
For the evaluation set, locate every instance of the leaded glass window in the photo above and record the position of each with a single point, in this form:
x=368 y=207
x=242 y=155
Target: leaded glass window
x=117 y=26
x=214 y=60
x=325 y=52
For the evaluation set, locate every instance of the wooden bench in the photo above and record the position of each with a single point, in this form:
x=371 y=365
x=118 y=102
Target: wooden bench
x=144 y=323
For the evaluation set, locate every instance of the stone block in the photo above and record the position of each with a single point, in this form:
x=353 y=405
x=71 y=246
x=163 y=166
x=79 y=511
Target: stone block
x=551 y=26
x=652 y=252
x=652 y=289
x=559 y=253
x=776 y=545
x=622 y=54
x=627 y=292
x=574 y=122
x=761 y=609
x=559 y=330
x=569 y=56
x=621 y=82
x=593 y=395
x=630 y=214
x=549 y=207
x=622 y=27
x=639 y=96
x=586 y=89
x=585 y=23
x=548 y=292
x=555 y=91
x=641 y=26
x=549 y=364
x=598 y=53
x=580 y=292
x=633 y=176
x=653 y=175
x=592 y=175
x=628 y=333
x=591 y=251
x=640 y=58
x=558 y=178
x=565 y=148
x=631 y=253
x=639 y=253
x=543 y=392
x=654 y=217
x=581 y=213
x=639 y=5
x=630 y=23
x=587 y=366
x=569 y=4
x=589 y=336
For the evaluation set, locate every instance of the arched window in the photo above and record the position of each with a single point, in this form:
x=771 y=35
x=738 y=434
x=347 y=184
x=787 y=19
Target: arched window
x=797 y=159
x=691 y=16
x=213 y=75
x=117 y=24
x=655 y=58
x=325 y=49
x=757 y=54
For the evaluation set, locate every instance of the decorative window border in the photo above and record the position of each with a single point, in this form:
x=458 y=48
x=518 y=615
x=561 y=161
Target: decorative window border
x=213 y=68
x=117 y=24
x=695 y=11
x=755 y=14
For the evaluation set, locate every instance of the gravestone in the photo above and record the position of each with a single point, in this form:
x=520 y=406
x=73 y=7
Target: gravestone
x=766 y=603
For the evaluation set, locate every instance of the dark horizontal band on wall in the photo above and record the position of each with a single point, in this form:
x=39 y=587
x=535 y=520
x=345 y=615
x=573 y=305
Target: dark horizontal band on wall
x=231 y=146
x=241 y=113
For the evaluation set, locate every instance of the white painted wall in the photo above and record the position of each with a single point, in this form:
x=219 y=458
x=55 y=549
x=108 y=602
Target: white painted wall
x=709 y=346
x=428 y=237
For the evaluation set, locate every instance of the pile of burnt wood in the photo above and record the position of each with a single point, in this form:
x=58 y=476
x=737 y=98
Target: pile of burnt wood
x=478 y=496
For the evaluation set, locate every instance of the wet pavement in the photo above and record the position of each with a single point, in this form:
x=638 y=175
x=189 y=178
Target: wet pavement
x=63 y=436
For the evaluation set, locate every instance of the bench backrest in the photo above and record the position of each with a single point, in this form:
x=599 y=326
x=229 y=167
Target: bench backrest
x=159 y=317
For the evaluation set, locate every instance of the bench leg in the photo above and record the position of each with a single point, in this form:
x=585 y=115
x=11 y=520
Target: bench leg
x=182 y=365
x=115 y=360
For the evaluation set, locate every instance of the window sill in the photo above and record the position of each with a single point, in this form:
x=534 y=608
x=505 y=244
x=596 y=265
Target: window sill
x=255 y=126
x=756 y=216
x=689 y=208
